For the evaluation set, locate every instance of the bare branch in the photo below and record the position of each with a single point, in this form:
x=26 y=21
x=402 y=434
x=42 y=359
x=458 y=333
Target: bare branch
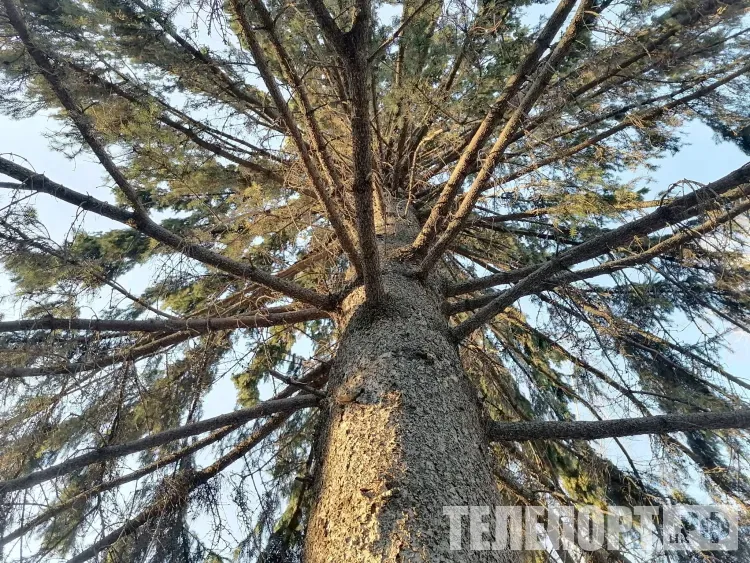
x=110 y=452
x=595 y=430
x=40 y=183
x=296 y=384
x=257 y=320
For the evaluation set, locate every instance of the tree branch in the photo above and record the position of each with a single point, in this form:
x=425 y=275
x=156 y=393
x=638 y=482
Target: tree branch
x=40 y=183
x=257 y=104
x=354 y=55
x=637 y=119
x=181 y=486
x=46 y=65
x=71 y=368
x=317 y=138
x=327 y=24
x=332 y=209
x=531 y=95
x=395 y=35
x=160 y=463
x=32 y=181
x=25 y=240
x=469 y=155
x=258 y=320
x=141 y=221
x=678 y=210
x=595 y=430
x=308 y=381
x=99 y=455
x=660 y=249
x=709 y=7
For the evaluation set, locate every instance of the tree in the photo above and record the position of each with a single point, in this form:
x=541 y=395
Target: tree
x=343 y=214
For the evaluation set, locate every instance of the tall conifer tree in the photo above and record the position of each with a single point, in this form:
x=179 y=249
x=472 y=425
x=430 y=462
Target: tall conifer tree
x=408 y=234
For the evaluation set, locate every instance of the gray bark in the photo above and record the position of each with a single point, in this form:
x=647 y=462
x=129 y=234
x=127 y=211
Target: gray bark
x=403 y=435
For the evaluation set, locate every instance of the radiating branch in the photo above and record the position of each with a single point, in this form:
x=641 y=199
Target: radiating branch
x=528 y=100
x=40 y=183
x=160 y=463
x=31 y=181
x=317 y=140
x=229 y=82
x=659 y=249
x=633 y=120
x=196 y=325
x=484 y=131
x=328 y=26
x=182 y=486
x=333 y=210
x=678 y=210
x=105 y=453
x=105 y=360
x=595 y=430
x=353 y=52
x=311 y=380
x=613 y=71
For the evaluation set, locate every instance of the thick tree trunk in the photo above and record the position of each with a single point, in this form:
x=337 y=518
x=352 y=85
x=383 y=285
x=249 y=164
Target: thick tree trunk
x=403 y=436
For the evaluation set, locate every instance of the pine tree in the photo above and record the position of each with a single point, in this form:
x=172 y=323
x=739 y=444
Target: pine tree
x=340 y=207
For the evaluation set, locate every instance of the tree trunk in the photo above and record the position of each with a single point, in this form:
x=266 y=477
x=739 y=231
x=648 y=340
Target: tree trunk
x=402 y=439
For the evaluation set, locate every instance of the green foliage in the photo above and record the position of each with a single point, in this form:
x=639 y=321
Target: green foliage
x=268 y=355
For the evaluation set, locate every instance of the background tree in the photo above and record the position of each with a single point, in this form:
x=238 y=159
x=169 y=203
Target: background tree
x=340 y=206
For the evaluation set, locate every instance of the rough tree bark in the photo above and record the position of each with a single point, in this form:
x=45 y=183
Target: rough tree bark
x=403 y=435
